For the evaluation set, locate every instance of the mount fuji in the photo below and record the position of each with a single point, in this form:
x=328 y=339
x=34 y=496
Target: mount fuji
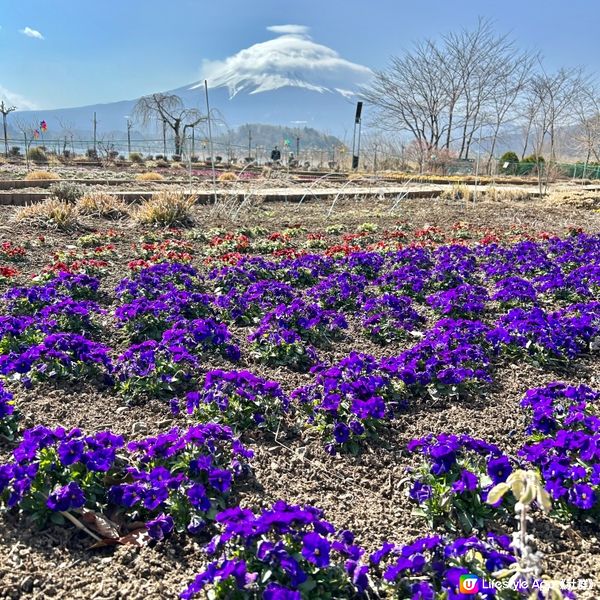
x=288 y=80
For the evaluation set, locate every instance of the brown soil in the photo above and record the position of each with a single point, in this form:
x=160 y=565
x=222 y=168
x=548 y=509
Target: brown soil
x=366 y=493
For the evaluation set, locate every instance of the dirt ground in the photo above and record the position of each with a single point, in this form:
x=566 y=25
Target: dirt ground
x=366 y=493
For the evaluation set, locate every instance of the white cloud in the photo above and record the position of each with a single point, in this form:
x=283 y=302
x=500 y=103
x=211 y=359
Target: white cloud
x=16 y=99
x=291 y=59
x=32 y=33
x=289 y=29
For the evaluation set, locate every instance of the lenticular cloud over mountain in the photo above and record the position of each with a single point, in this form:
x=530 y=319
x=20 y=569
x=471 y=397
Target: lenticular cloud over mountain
x=292 y=59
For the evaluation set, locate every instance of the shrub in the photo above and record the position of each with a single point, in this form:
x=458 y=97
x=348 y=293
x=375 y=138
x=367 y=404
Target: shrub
x=50 y=213
x=41 y=176
x=67 y=191
x=508 y=157
x=100 y=204
x=150 y=176
x=166 y=209
x=532 y=158
x=504 y=195
x=37 y=155
x=136 y=158
x=162 y=164
x=14 y=151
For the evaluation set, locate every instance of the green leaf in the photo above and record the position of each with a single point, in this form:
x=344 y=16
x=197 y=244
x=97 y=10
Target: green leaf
x=57 y=518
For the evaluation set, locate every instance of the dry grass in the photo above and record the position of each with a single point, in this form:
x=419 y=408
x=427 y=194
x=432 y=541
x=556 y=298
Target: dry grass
x=228 y=176
x=51 y=213
x=165 y=209
x=457 y=191
x=150 y=176
x=505 y=195
x=105 y=206
x=41 y=176
x=582 y=199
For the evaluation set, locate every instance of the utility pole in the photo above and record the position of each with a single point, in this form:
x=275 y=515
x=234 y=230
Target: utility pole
x=193 y=140
x=5 y=110
x=164 y=122
x=249 y=142
x=298 y=148
x=128 y=137
x=375 y=160
x=95 y=124
x=210 y=139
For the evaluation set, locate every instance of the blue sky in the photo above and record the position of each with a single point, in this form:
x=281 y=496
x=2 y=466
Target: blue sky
x=117 y=49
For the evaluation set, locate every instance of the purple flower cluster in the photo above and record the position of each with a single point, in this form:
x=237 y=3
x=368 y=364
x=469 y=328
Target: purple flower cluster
x=347 y=400
x=339 y=291
x=168 y=366
x=277 y=553
x=514 y=291
x=187 y=473
x=8 y=415
x=411 y=280
x=452 y=482
x=248 y=306
x=306 y=270
x=249 y=270
x=30 y=300
x=158 y=280
x=58 y=355
x=390 y=317
x=452 y=357
x=146 y=318
x=367 y=264
x=465 y=300
x=431 y=567
x=71 y=464
x=238 y=398
x=286 y=334
x=538 y=334
x=565 y=444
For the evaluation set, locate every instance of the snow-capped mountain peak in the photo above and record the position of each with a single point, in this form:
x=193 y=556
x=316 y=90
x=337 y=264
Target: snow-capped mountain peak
x=292 y=59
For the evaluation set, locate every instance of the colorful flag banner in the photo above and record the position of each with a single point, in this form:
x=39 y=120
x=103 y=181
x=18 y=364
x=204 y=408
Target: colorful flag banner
x=43 y=125
x=36 y=134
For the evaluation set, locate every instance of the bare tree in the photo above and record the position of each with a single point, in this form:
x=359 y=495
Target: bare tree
x=411 y=95
x=586 y=136
x=509 y=90
x=554 y=97
x=442 y=94
x=169 y=111
x=5 y=110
